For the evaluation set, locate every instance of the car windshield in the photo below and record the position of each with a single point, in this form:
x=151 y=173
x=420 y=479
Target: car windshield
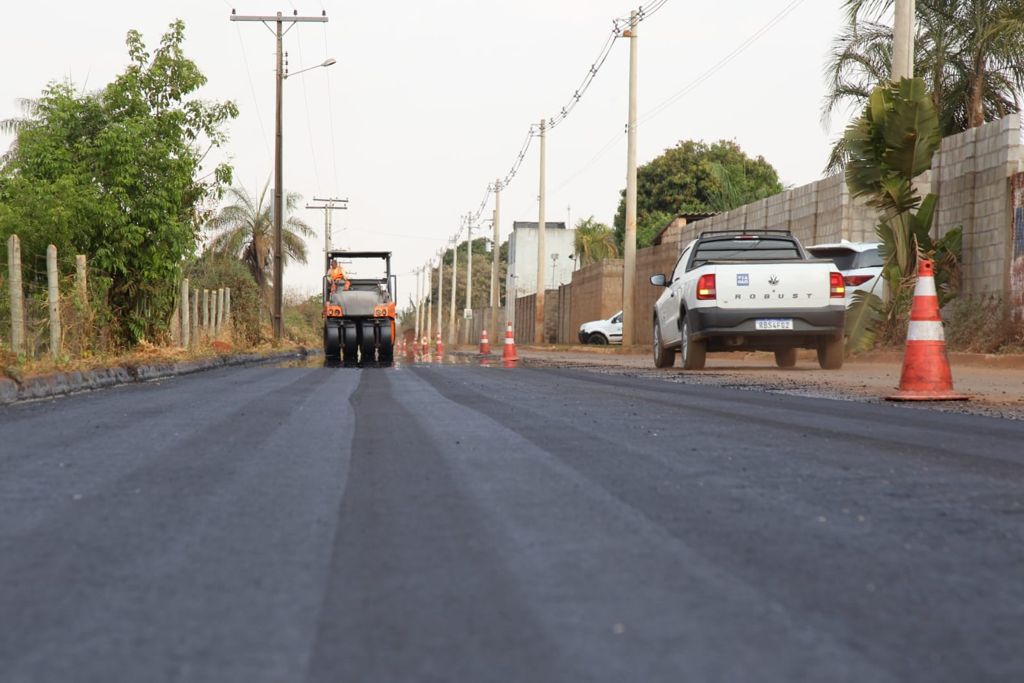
x=746 y=249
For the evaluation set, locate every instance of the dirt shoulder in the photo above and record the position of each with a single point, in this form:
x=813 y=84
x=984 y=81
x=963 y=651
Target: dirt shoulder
x=995 y=383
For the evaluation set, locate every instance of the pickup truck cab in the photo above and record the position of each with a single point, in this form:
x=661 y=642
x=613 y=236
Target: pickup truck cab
x=749 y=291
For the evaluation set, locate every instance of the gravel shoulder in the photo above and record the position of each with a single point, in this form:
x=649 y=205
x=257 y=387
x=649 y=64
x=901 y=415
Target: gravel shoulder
x=995 y=383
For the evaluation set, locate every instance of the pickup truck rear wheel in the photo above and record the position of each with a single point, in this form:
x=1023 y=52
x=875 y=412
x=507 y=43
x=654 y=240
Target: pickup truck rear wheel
x=663 y=358
x=694 y=352
x=785 y=358
x=830 y=352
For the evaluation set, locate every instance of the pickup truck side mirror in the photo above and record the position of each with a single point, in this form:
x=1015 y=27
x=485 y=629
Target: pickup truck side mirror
x=658 y=280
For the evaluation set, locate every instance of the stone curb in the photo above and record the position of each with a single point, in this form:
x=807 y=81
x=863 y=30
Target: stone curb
x=64 y=383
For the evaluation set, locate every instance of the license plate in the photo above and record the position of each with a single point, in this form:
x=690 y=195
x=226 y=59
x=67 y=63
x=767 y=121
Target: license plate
x=773 y=324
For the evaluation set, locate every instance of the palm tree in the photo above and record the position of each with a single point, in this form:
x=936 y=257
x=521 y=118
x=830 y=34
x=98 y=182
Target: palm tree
x=245 y=230
x=970 y=53
x=594 y=241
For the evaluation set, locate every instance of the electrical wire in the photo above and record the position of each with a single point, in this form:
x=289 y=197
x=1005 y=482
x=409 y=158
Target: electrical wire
x=309 y=120
x=720 y=64
x=330 y=113
x=711 y=71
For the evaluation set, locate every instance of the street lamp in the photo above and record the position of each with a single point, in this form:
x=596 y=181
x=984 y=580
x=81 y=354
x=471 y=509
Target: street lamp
x=279 y=197
x=330 y=61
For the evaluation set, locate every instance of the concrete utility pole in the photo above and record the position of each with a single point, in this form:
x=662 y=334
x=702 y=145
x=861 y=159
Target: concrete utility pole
x=538 y=312
x=279 y=20
x=495 y=257
x=629 y=252
x=332 y=204
x=440 y=292
x=430 y=297
x=469 y=275
x=53 y=299
x=418 y=308
x=903 y=41
x=455 y=269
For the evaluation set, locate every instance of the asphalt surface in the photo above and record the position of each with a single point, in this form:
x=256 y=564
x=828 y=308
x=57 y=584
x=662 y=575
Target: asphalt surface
x=458 y=523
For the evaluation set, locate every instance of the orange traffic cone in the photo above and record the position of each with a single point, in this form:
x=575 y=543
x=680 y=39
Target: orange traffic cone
x=485 y=343
x=440 y=346
x=509 y=353
x=926 y=375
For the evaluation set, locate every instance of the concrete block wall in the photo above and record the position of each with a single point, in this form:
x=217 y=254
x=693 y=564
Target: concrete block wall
x=971 y=174
x=596 y=293
x=660 y=259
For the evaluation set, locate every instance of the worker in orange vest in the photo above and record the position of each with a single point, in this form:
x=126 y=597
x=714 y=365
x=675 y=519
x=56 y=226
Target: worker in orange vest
x=337 y=275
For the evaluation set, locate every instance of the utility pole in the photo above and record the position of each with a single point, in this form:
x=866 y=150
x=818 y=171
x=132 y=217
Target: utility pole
x=629 y=253
x=455 y=268
x=430 y=299
x=495 y=257
x=416 y=301
x=332 y=204
x=469 y=276
x=440 y=292
x=279 y=20
x=903 y=41
x=538 y=313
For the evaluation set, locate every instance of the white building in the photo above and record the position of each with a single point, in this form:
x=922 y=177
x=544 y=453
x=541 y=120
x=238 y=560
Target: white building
x=522 y=257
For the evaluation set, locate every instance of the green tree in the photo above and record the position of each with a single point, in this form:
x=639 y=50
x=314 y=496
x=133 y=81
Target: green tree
x=695 y=177
x=244 y=229
x=970 y=53
x=594 y=241
x=889 y=145
x=118 y=175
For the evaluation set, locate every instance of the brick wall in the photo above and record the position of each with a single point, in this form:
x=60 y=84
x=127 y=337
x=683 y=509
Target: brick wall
x=596 y=293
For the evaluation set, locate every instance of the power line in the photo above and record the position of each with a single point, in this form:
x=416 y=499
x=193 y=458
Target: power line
x=309 y=121
x=672 y=99
x=719 y=65
x=618 y=24
x=330 y=113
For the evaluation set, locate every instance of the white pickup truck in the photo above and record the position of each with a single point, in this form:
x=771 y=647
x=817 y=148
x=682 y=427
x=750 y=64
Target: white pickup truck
x=749 y=291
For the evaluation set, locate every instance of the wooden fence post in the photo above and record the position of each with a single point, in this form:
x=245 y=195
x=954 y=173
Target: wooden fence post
x=195 y=315
x=220 y=310
x=206 y=311
x=227 y=310
x=81 y=281
x=17 y=294
x=185 y=329
x=53 y=297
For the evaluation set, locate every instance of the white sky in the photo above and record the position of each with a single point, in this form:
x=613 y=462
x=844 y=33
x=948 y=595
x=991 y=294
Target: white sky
x=430 y=100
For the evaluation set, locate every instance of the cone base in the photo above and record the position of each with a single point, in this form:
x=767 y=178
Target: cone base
x=927 y=396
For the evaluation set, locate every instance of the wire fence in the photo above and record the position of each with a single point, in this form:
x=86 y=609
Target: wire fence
x=58 y=306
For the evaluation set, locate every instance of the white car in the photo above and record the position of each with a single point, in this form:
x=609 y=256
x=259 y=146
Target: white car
x=602 y=331
x=859 y=262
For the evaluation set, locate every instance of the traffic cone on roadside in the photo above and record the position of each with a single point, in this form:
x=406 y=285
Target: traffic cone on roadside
x=440 y=346
x=485 y=343
x=509 y=353
x=926 y=375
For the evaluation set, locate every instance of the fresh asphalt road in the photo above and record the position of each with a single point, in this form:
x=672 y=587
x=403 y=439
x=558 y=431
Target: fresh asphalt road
x=458 y=523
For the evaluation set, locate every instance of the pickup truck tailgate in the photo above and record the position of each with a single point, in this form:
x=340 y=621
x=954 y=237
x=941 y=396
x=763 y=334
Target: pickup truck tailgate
x=789 y=285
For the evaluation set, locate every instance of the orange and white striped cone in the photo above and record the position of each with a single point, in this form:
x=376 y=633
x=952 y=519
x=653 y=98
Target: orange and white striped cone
x=440 y=346
x=926 y=375
x=485 y=343
x=509 y=353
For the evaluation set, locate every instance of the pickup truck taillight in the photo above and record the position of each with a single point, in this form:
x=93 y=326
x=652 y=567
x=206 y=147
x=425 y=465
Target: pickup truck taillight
x=706 y=287
x=854 y=280
x=837 y=288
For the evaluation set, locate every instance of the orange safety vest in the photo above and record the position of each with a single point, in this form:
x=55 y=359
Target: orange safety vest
x=337 y=274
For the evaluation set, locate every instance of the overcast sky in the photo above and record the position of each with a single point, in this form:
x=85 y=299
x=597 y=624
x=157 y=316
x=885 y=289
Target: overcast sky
x=430 y=100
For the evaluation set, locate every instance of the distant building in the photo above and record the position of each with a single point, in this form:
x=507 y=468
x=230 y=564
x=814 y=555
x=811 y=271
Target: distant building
x=522 y=257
